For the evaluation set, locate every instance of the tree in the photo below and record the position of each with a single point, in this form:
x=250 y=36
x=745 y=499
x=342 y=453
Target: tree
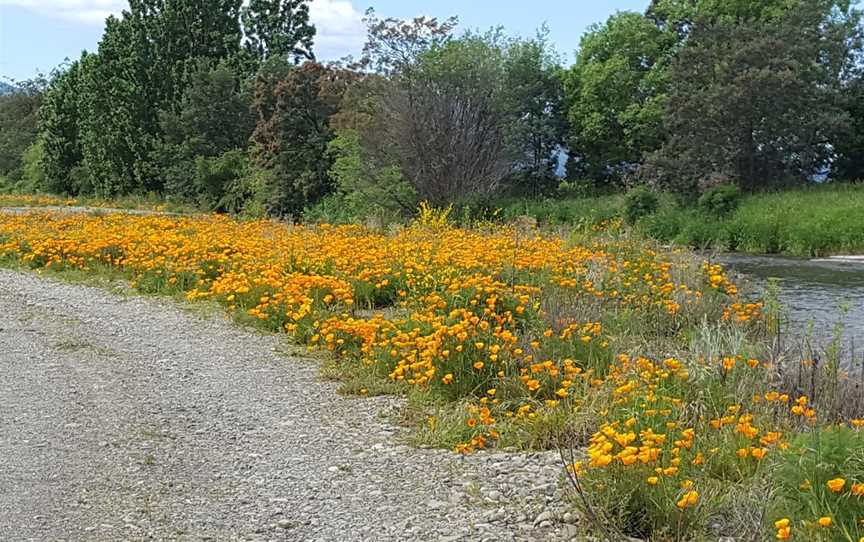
x=294 y=105
x=278 y=28
x=146 y=61
x=214 y=114
x=363 y=187
x=142 y=68
x=533 y=97
x=681 y=14
x=394 y=46
x=214 y=119
x=60 y=128
x=449 y=120
x=616 y=93
x=850 y=148
x=748 y=102
x=120 y=104
x=452 y=117
x=19 y=112
x=434 y=109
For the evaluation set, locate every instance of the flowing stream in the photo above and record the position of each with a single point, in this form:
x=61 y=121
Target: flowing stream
x=817 y=295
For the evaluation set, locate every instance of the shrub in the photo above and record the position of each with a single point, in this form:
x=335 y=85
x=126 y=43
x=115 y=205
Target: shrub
x=365 y=187
x=667 y=224
x=720 y=200
x=32 y=171
x=640 y=202
x=575 y=189
x=216 y=177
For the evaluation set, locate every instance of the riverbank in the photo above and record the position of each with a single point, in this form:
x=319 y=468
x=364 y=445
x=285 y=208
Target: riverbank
x=808 y=222
x=812 y=222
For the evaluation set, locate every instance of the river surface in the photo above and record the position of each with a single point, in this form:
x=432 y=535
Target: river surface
x=815 y=294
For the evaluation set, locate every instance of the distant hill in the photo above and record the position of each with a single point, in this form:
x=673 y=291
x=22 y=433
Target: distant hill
x=6 y=88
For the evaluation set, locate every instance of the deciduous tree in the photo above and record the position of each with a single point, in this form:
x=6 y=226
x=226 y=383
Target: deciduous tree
x=293 y=105
x=616 y=93
x=278 y=28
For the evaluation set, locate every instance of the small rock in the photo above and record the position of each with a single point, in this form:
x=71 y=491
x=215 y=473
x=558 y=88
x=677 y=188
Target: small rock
x=546 y=515
x=284 y=524
x=436 y=505
x=495 y=515
x=494 y=495
x=569 y=532
x=547 y=489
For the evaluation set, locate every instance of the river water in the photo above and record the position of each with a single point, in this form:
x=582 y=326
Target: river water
x=815 y=294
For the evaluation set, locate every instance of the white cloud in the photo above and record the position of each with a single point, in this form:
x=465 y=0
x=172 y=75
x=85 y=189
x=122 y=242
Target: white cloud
x=340 y=26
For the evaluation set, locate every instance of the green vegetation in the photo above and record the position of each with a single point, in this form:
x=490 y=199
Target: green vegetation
x=222 y=106
x=803 y=222
x=811 y=221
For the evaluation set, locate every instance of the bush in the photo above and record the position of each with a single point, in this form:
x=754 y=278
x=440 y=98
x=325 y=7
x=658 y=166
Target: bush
x=331 y=209
x=721 y=200
x=366 y=188
x=32 y=171
x=217 y=181
x=667 y=224
x=640 y=202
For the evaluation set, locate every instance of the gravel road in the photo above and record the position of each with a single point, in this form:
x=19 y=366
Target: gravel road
x=129 y=418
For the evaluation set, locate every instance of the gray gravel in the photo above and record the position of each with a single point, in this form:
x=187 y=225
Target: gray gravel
x=128 y=418
x=72 y=209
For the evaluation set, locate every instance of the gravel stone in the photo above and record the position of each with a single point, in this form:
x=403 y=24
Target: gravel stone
x=129 y=418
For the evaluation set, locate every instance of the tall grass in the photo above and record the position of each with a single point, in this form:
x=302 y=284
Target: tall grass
x=813 y=221
x=810 y=221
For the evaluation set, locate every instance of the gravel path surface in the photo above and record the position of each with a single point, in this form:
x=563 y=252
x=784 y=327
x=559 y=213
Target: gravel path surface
x=72 y=209
x=128 y=418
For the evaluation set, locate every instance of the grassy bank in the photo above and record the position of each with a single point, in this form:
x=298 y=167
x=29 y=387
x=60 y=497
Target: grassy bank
x=806 y=222
x=687 y=423
x=814 y=221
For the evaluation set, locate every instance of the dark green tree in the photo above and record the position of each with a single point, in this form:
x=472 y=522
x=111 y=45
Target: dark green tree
x=19 y=113
x=755 y=102
x=533 y=97
x=278 y=28
x=214 y=118
x=850 y=147
x=60 y=131
x=142 y=68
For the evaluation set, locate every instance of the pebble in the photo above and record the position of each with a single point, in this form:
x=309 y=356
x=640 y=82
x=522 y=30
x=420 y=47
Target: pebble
x=544 y=516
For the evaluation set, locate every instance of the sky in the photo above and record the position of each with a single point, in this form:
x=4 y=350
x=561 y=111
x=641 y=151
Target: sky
x=37 y=35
